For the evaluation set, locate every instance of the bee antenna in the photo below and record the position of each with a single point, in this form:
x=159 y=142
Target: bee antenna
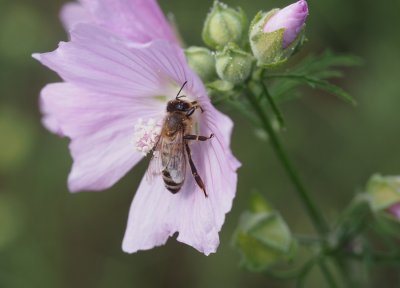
x=180 y=90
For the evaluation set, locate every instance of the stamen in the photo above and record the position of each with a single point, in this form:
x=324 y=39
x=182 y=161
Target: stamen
x=146 y=135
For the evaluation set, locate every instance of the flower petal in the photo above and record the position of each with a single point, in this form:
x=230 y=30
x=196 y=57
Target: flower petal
x=111 y=72
x=291 y=18
x=74 y=13
x=148 y=225
x=101 y=129
x=96 y=60
x=140 y=21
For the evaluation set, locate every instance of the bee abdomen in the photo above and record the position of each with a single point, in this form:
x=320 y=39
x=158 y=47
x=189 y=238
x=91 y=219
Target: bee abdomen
x=170 y=184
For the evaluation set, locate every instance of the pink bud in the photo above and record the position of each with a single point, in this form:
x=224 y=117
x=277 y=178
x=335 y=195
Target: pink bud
x=394 y=210
x=290 y=18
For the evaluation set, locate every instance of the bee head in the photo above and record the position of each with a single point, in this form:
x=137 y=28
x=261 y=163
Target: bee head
x=178 y=105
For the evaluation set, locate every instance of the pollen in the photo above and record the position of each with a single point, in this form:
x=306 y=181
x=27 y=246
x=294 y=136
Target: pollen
x=146 y=135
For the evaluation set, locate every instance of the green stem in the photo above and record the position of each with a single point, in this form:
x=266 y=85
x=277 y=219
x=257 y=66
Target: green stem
x=315 y=215
x=272 y=103
x=327 y=274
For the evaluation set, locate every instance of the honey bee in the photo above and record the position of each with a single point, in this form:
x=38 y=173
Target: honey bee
x=172 y=152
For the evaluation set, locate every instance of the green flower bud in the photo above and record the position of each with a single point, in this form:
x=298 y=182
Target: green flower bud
x=233 y=64
x=383 y=191
x=202 y=61
x=262 y=237
x=384 y=197
x=223 y=25
x=269 y=48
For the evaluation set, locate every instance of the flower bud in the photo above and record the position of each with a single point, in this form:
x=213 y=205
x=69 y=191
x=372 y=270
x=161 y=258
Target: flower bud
x=263 y=237
x=202 y=61
x=394 y=210
x=275 y=35
x=223 y=25
x=384 y=194
x=233 y=65
x=291 y=18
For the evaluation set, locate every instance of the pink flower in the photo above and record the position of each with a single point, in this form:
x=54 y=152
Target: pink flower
x=290 y=18
x=110 y=105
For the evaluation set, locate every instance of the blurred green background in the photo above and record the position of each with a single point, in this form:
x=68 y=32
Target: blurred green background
x=51 y=238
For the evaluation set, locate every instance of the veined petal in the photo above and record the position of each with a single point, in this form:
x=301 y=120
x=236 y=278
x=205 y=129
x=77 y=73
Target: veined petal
x=148 y=225
x=140 y=21
x=101 y=129
x=96 y=60
x=122 y=82
x=79 y=112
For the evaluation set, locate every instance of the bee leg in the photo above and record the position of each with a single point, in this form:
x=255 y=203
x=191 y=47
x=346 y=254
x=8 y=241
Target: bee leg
x=197 y=137
x=197 y=106
x=190 y=111
x=193 y=168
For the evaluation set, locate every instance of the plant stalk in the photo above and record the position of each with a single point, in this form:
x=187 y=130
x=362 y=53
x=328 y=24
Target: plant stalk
x=316 y=217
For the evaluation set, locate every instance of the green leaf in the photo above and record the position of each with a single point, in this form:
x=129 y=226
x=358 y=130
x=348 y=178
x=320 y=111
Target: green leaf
x=319 y=84
x=316 y=65
x=316 y=69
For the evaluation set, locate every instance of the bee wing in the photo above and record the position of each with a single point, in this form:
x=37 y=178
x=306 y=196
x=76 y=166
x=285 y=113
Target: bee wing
x=155 y=166
x=168 y=154
x=174 y=160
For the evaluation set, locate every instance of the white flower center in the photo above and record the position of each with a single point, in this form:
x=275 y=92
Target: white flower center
x=146 y=134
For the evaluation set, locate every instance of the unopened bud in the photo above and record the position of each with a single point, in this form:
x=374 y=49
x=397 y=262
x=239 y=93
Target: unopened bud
x=263 y=237
x=275 y=35
x=384 y=194
x=202 y=61
x=223 y=25
x=233 y=64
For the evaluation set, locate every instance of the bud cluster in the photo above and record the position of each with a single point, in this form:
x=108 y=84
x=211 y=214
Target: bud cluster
x=237 y=48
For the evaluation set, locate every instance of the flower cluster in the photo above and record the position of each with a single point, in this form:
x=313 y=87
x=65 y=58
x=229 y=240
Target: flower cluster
x=273 y=37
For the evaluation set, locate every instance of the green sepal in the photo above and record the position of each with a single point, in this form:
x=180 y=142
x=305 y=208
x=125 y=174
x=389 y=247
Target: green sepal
x=233 y=64
x=220 y=85
x=202 y=61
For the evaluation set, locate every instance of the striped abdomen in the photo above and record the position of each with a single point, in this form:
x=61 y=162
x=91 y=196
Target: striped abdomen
x=170 y=184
